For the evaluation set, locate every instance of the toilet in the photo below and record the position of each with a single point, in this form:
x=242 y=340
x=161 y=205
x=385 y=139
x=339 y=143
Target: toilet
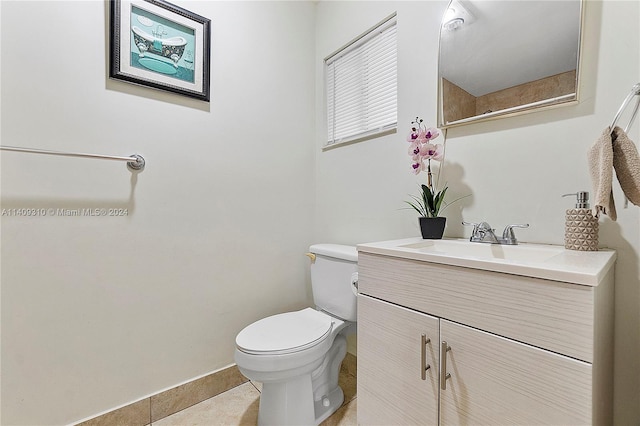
x=297 y=355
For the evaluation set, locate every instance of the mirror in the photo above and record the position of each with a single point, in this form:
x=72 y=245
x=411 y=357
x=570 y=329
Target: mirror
x=500 y=57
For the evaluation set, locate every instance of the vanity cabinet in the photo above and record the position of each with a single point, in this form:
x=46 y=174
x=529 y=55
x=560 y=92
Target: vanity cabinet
x=501 y=381
x=503 y=349
x=400 y=365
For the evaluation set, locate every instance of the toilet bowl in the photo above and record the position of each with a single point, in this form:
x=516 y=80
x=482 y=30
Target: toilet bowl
x=297 y=355
x=293 y=355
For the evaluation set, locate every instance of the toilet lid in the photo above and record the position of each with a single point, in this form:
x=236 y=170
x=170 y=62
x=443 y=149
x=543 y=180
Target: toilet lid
x=285 y=333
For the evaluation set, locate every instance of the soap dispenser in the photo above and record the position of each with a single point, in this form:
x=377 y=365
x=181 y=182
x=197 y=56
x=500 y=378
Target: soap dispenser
x=581 y=227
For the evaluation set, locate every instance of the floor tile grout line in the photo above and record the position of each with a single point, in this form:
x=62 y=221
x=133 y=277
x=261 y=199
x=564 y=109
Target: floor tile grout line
x=192 y=405
x=256 y=388
x=345 y=403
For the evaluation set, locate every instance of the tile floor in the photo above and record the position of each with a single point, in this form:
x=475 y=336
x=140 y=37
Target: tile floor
x=239 y=406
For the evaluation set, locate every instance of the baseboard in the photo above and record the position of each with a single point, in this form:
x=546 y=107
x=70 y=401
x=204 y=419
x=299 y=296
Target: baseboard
x=168 y=402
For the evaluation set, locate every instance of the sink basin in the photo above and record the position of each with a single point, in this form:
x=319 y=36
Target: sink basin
x=544 y=261
x=466 y=249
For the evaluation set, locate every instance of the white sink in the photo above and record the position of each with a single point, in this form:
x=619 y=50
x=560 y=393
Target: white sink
x=466 y=249
x=534 y=260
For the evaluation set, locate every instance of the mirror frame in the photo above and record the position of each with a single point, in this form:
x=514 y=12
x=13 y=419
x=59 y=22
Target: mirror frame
x=564 y=100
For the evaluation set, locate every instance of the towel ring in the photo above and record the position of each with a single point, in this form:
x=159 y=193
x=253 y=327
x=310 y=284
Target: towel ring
x=635 y=91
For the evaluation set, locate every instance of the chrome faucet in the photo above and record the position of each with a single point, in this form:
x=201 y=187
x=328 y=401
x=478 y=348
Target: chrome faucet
x=483 y=233
x=508 y=237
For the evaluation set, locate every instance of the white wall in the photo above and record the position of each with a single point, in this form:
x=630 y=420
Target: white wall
x=98 y=312
x=101 y=311
x=515 y=169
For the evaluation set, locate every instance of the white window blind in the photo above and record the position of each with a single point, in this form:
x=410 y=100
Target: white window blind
x=361 y=86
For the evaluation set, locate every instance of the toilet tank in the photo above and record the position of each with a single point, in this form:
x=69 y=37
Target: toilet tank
x=331 y=279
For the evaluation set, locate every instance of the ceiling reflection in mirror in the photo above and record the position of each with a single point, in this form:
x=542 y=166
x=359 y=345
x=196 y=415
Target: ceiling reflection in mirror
x=500 y=57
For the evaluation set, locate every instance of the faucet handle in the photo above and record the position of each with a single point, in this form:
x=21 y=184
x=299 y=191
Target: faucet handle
x=508 y=236
x=476 y=227
x=474 y=233
x=484 y=226
x=481 y=225
x=480 y=231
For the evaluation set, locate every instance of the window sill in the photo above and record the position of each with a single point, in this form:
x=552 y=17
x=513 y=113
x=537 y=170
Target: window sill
x=384 y=132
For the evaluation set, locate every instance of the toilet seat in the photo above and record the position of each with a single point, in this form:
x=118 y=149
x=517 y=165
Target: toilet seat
x=286 y=333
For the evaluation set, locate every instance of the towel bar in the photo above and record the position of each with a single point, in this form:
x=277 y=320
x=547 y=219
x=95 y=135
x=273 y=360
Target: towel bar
x=135 y=162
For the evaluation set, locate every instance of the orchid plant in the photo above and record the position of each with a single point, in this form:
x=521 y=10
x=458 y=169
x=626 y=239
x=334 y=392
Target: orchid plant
x=422 y=150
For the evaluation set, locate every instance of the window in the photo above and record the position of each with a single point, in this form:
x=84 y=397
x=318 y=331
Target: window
x=361 y=86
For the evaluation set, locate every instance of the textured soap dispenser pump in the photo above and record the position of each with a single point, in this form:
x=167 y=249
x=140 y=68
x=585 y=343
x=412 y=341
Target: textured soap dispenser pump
x=581 y=228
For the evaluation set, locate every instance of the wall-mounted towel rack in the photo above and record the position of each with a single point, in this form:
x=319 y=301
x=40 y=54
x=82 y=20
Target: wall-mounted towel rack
x=635 y=91
x=135 y=162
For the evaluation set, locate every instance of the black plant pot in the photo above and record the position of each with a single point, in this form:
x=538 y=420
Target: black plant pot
x=432 y=228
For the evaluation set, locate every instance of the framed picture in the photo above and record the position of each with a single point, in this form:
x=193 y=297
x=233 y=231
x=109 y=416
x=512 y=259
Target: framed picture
x=160 y=45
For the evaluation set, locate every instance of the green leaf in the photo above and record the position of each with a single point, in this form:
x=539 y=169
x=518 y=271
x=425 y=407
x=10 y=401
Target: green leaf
x=417 y=206
x=439 y=199
x=429 y=203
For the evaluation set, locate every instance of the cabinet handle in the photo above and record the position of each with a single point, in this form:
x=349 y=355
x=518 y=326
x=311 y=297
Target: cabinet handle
x=444 y=348
x=423 y=358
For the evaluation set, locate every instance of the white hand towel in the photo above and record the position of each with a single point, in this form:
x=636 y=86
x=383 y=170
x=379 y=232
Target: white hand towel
x=600 y=157
x=626 y=163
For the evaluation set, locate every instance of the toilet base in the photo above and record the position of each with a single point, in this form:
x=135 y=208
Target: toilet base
x=287 y=403
x=308 y=399
x=335 y=399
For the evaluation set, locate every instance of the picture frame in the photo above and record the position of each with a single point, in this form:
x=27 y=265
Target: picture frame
x=157 y=44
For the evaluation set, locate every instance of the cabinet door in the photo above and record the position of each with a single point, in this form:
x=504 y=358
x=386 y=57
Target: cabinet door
x=498 y=381
x=391 y=359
